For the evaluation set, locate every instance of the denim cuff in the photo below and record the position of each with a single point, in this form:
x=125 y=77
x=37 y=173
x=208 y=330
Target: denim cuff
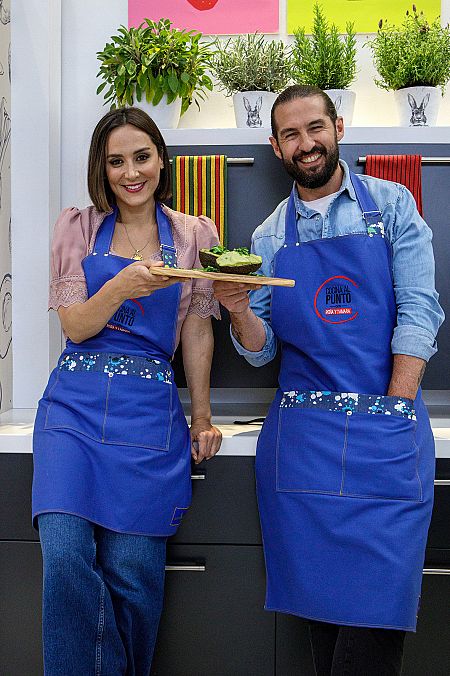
x=263 y=356
x=413 y=341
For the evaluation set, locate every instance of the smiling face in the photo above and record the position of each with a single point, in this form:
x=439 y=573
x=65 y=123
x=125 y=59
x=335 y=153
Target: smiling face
x=307 y=143
x=133 y=166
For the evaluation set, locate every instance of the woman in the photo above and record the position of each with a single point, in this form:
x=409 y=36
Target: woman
x=112 y=448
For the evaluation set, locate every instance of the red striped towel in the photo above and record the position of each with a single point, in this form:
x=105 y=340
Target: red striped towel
x=200 y=187
x=404 y=169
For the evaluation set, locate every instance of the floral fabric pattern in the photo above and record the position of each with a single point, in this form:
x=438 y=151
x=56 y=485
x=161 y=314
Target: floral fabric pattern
x=349 y=402
x=115 y=364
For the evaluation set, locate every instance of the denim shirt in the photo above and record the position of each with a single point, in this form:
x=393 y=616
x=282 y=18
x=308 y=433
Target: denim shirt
x=419 y=314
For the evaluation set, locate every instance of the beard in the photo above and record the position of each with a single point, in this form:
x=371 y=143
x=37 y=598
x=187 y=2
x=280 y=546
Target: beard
x=317 y=177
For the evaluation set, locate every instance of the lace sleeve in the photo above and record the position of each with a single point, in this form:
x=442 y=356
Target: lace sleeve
x=65 y=291
x=204 y=304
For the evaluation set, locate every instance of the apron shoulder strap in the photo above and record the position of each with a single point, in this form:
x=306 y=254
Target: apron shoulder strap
x=370 y=211
x=290 y=221
x=105 y=234
x=168 y=250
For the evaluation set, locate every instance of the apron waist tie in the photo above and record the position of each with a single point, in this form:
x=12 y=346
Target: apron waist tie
x=349 y=402
x=117 y=364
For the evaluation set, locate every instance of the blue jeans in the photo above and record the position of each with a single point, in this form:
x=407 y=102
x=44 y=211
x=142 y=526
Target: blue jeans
x=102 y=598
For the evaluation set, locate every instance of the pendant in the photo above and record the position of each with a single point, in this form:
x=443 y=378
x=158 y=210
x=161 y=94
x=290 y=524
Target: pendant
x=137 y=256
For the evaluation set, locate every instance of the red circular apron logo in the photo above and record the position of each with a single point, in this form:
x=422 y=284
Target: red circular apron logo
x=334 y=301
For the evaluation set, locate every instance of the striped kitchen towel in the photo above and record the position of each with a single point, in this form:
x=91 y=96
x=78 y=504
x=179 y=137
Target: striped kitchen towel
x=200 y=187
x=404 y=169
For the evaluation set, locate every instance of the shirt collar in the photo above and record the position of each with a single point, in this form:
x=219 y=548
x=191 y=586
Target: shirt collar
x=346 y=184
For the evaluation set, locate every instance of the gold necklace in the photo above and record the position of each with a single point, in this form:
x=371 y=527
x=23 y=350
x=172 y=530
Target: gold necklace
x=137 y=252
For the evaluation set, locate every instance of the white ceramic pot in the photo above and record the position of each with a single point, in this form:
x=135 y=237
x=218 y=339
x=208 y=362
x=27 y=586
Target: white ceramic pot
x=344 y=102
x=252 y=109
x=164 y=115
x=417 y=106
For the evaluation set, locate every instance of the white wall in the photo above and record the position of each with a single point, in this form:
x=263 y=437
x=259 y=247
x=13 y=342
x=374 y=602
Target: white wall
x=54 y=45
x=86 y=27
x=6 y=364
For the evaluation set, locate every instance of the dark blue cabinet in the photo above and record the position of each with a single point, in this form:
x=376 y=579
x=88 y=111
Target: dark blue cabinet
x=213 y=622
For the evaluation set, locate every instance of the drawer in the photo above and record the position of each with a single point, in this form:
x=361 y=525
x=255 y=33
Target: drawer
x=213 y=620
x=20 y=603
x=428 y=651
x=439 y=533
x=16 y=472
x=224 y=509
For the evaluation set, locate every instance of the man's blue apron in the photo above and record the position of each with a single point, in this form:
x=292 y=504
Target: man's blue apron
x=344 y=472
x=111 y=443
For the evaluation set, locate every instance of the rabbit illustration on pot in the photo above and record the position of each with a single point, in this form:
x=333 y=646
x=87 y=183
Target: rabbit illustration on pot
x=338 y=103
x=418 y=117
x=253 y=118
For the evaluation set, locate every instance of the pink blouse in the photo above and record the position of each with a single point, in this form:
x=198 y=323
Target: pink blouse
x=74 y=237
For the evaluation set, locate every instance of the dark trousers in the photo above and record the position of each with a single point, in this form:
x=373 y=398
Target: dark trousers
x=356 y=651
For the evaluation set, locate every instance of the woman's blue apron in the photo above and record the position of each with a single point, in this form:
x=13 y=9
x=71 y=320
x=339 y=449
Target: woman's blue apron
x=344 y=472
x=111 y=443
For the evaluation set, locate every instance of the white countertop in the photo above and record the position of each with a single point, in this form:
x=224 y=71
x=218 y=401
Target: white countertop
x=16 y=431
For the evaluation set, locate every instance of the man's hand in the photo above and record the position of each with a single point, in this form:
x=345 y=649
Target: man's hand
x=233 y=295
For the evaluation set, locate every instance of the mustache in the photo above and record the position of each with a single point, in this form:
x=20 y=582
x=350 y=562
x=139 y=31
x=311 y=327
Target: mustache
x=301 y=155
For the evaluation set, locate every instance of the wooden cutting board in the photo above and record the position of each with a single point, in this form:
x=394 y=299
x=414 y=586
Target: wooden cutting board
x=222 y=276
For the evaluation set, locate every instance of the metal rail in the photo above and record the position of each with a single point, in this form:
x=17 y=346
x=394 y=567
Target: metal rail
x=237 y=160
x=425 y=160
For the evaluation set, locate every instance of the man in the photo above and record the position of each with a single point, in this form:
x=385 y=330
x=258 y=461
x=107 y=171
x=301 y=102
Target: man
x=345 y=459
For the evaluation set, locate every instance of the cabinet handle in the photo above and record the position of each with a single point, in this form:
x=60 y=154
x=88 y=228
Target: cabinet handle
x=442 y=482
x=193 y=568
x=198 y=476
x=436 y=571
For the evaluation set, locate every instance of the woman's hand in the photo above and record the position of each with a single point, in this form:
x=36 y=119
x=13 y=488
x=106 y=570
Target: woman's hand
x=136 y=280
x=205 y=438
x=233 y=296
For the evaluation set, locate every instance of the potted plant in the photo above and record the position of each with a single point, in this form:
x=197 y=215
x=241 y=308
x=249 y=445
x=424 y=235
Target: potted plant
x=413 y=60
x=327 y=60
x=157 y=67
x=252 y=71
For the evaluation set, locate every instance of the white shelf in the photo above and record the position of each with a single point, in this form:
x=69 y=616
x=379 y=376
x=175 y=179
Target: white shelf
x=218 y=137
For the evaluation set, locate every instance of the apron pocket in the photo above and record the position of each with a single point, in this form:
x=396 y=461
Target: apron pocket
x=310 y=449
x=138 y=412
x=76 y=401
x=381 y=458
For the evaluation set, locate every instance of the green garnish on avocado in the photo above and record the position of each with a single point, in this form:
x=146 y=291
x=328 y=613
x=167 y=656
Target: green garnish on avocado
x=236 y=261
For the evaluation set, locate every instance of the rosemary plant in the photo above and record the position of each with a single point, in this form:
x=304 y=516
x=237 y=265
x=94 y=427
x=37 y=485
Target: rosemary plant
x=249 y=63
x=324 y=58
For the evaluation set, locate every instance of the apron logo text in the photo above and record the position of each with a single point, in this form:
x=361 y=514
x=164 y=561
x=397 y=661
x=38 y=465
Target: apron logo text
x=338 y=295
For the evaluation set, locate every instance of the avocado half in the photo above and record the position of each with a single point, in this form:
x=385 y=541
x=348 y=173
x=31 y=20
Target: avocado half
x=238 y=261
x=208 y=257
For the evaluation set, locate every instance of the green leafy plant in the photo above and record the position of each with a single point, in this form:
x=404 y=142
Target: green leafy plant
x=152 y=60
x=415 y=54
x=324 y=58
x=249 y=63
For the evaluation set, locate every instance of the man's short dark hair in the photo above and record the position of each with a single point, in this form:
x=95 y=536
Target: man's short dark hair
x=99 y=189
x=299 y=91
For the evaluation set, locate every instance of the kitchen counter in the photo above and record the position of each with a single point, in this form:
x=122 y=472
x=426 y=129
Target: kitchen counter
x=16 y=431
